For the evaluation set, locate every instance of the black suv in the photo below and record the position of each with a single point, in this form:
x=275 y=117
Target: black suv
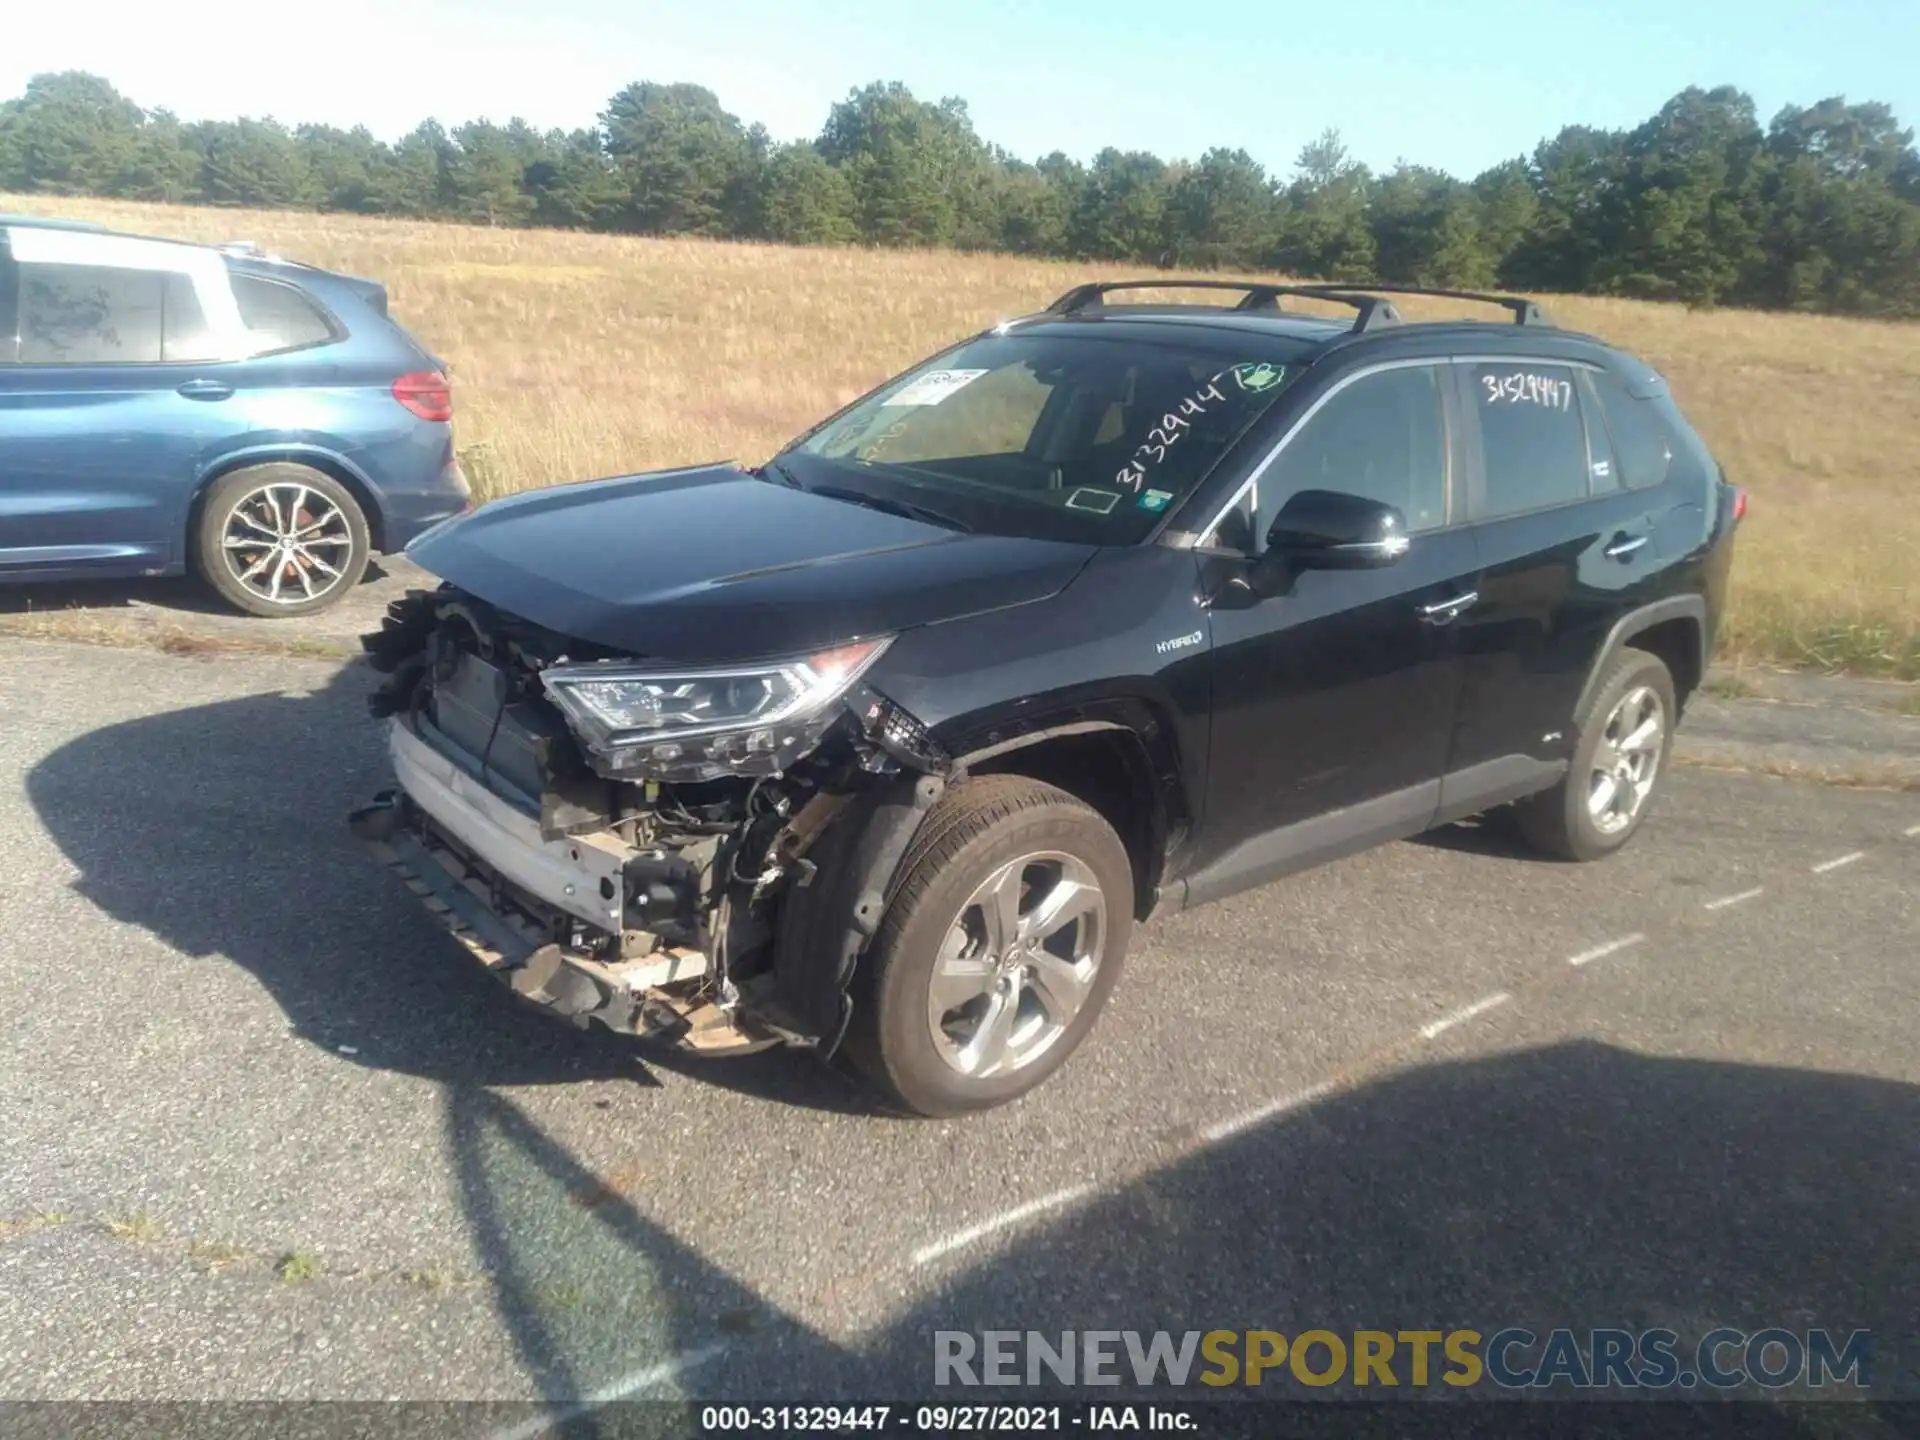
x=884 y=747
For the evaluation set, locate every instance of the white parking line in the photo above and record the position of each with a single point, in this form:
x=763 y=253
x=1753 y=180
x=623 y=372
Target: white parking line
x=623 y=1389
x=1725 y=900
x=1913 y=830
x=1600 y=952
x=962 y=1238
x=1825 y=865
x=1464 y=1013
x=1234 y=1124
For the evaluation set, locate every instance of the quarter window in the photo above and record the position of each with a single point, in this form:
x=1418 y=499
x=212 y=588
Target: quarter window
x=1381 y=437
x=1531 y=436
x=278 y=317
x=1643 y=451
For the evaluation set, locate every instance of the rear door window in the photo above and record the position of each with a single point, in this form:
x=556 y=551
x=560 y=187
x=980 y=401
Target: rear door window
x=90 y=315
x=279 y=317
x=9 y=304
x=1532 y=436
x=1603 y=465
x=185 y=335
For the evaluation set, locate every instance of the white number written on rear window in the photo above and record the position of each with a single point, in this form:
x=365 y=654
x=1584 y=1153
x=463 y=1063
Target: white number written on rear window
x=1523 y=388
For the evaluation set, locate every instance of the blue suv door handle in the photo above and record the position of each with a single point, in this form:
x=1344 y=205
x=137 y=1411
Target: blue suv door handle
x=207 y=390
x=1623 y=545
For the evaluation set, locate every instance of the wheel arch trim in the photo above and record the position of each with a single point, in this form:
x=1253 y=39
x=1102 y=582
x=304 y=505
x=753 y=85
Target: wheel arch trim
x=1636 y=622
x=1153 y=779
x=330 y=463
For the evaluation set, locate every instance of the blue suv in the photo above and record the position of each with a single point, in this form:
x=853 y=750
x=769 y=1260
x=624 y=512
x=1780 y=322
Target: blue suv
x=166 y=406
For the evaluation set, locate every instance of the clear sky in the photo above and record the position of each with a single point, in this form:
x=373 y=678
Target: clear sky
x=1461 y=84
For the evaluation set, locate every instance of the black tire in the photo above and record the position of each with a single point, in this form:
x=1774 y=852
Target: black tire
x=344 y=547
x=976 y=829
x=1561 y=822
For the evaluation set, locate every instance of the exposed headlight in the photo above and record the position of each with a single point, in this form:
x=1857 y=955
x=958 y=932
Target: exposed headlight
x=701 y=724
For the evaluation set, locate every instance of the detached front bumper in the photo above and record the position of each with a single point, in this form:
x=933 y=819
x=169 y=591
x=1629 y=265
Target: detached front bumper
x=482 y=869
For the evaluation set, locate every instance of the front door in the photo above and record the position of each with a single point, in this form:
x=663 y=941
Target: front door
x=1333 y=703
x=110 y=389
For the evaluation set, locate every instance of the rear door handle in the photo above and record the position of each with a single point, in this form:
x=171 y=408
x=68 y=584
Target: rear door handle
x=1623 y=545
x=1443 y=612
x=207 y=390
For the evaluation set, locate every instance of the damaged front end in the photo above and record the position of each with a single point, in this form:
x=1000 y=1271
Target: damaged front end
x=695 y=856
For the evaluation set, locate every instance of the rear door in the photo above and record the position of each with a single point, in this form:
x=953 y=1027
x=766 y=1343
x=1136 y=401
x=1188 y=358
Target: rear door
x=112 y=383
x=1333 y=703
x=1564 y=551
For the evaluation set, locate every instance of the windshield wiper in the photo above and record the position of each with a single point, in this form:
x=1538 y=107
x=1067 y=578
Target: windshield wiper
x=903 y=508
x=780 y=475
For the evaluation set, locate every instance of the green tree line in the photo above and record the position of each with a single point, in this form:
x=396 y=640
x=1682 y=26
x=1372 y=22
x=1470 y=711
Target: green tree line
x=1817 y=210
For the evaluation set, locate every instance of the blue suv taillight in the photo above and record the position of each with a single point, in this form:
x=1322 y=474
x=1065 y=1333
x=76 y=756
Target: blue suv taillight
x=427 y=393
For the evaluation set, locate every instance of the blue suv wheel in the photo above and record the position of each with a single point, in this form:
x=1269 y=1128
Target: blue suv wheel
x=281 y=540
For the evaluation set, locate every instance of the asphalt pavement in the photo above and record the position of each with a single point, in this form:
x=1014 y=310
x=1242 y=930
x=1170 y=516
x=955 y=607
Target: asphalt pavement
x=267 y=1135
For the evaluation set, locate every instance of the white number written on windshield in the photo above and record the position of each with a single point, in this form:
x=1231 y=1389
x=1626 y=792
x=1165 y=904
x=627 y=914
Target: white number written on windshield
x=1164 y=436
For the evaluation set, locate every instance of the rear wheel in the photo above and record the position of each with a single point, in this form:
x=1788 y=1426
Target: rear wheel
x=999 y=951
x=281 y=540
x=1624 y=741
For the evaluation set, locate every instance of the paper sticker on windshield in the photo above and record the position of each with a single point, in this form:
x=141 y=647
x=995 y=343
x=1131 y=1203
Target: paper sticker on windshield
x=1155 y=499
x=933 y=387
x=1101 y=502
x=1254 y=378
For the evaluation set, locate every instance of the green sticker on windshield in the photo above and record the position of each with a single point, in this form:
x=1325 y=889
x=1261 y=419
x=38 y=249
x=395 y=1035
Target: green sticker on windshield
x=1258 y=376
x=1155 y=499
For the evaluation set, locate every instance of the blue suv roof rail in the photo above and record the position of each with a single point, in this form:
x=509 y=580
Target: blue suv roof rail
x=1525 y=311
x=1260 y=296
x=50 y=222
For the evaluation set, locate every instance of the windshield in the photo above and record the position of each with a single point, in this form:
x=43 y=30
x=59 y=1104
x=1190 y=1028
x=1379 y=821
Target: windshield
x=1068 y=437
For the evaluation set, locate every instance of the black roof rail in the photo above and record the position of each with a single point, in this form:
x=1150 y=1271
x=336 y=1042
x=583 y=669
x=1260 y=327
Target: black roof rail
x=1525 y=311
x=1261 y=295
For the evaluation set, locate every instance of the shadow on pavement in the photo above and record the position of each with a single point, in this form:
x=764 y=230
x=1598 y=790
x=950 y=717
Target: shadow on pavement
x=1493 y=834
x=1578 y=1186
x=182 y=595
x=221 y=829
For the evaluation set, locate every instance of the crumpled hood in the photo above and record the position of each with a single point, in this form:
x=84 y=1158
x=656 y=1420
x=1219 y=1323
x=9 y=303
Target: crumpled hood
x=714 y=564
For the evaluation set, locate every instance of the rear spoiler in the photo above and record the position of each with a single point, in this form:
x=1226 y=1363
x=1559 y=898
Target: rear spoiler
x=371 y=292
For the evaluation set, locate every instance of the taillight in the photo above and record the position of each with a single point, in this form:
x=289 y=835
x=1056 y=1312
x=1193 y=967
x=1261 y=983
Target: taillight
x=1739 y=504
x=427 y=393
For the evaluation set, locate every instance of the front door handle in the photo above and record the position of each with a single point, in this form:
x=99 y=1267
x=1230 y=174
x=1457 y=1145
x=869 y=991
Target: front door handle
x=1623 y=545
x=207 y=390
x=1443 y=612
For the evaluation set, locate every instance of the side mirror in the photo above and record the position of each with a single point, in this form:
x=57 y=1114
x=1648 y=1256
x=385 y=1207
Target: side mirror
x=1326 y=530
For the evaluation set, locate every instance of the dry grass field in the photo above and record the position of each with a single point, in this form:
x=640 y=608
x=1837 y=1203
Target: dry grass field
x=578 y=356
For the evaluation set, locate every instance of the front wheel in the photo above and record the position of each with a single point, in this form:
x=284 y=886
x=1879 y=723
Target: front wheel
x=1619 y=758
x=280 y=539
x=999 y=950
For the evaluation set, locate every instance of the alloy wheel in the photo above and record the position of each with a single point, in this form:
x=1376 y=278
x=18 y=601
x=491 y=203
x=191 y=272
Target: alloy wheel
x=1017 y=964
x=287 y=543
x=1628 y=758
